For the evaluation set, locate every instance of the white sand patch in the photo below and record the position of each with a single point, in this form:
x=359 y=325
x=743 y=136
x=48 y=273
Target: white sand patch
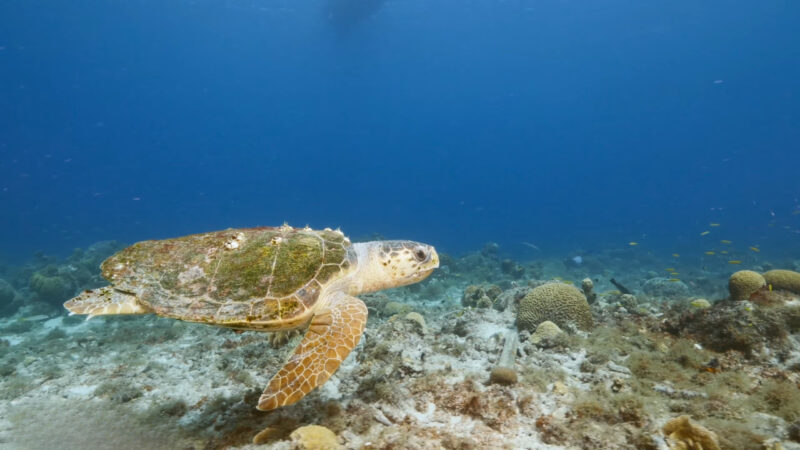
x=14 y=339
x=330 y=390
x=487 y=330
x=81 y=391
x=51 y=324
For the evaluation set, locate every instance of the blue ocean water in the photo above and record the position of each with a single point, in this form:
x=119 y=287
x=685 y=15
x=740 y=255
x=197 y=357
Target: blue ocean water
x=627 y=157
x=568 y=125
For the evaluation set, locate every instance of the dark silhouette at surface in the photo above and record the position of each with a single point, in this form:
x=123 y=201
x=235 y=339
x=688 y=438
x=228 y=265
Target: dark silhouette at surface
x=346 y=15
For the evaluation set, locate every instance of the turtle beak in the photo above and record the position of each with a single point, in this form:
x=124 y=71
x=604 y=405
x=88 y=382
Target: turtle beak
x=434 y=259
x=422 y=275
x=430 y=264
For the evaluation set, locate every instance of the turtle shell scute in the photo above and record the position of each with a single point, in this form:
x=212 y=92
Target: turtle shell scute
x=238 y=274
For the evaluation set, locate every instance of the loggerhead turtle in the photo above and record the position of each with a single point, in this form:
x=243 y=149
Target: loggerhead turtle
x=264 y=279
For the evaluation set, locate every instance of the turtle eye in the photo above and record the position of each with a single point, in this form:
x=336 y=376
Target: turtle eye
x=419 y=254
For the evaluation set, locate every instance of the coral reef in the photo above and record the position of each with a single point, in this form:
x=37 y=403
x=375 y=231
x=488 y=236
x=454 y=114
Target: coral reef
x=737 y=325
x=45 y=283
x=314 y=437
x=629 y=302
x=666 y=288
x=394 y=308
x=512 y=269
x=511 y=297
x=559 y=303
x=683 y=434
x=482 y=296
x=588 y=290
x=51 y=285
x=546 y=334
x=431 y=371
x=700 y=303
x=743 y=283
x=786 y=280
x=417 y=320
x=779 y=397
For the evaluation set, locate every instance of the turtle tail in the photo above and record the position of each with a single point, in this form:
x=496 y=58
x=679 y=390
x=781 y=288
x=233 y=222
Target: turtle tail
x=104 y=301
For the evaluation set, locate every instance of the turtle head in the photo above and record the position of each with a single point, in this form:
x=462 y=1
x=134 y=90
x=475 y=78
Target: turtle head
x=388 y=264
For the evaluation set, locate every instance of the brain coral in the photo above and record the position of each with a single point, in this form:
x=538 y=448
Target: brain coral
x=314 y=437
x=557 y=302
x=743 y=283
x=786 y=280
x=545 y=333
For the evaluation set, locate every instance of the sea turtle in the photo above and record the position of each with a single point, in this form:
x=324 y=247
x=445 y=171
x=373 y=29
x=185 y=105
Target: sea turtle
x=264 y=279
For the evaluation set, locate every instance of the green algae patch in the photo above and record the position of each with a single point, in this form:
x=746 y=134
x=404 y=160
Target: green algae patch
x=297 y=262
x=246 y=272
x=327 y=272
x=779 y=397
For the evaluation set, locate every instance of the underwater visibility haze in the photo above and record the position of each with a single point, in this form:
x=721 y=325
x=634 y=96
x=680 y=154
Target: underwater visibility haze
x=601 y=203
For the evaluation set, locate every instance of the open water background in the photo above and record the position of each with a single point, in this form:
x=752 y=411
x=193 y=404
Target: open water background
x=566 y=124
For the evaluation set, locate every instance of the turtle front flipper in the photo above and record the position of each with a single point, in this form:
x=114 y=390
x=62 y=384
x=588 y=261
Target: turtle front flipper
x=334 y=331
x=104 y=301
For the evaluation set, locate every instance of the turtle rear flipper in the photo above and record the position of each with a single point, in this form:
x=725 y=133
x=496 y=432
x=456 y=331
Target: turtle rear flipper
x=334 y=331
x=104 y=301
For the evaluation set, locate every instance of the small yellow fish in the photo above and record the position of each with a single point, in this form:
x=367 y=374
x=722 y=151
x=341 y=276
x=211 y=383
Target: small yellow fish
x=674 y=280
x=709 y=253
x=755 y=249
x=725 y=241
x=713 y=224
x=770 y=287
x=674 y=273
x=633 y=243
x=568 y=282
x=734 y=261
x=675 y=255
x=723 y=252
x=704 y=233
x=670 y=269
